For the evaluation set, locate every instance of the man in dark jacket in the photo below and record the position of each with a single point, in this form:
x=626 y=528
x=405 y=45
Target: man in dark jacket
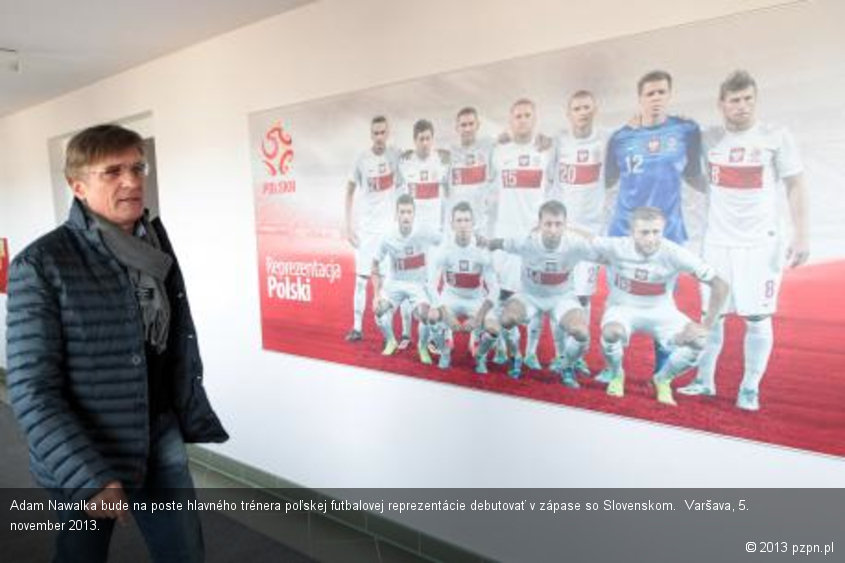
x=104 y=375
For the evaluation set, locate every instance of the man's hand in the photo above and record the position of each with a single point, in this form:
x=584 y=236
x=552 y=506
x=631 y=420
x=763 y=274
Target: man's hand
x=351 y=236
x=113 y=495
x=693 y=333
x=798 y=252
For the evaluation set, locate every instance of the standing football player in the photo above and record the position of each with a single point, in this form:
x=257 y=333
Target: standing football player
x=748 y=163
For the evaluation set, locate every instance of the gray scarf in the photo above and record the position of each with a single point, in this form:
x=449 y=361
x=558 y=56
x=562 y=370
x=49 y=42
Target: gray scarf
x=147 y=266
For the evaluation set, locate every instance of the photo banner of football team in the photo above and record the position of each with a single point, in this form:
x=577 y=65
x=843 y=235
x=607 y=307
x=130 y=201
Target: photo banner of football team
x=648 y=226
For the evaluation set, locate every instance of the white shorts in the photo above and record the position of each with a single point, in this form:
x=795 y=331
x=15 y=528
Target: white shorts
x=508 y=267
x=754 y=274
x=556 y=306
x=368 y=244
x=398 y=291
x=662 y=322
x=584 y=276
x=465 y=307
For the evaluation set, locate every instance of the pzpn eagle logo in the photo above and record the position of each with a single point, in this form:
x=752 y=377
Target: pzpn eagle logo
x=277 y=150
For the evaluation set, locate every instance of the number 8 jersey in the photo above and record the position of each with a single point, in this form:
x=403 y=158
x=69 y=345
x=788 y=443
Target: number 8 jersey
x=744 y=170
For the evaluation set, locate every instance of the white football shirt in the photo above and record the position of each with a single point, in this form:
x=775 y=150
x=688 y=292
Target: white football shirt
x=520 y=183
x=375 y=177
x=745 y=170
x=646 y=281
x=408 y=254
x=548 y=272
x=578 y=178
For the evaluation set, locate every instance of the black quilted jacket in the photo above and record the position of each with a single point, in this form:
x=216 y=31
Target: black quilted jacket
x=77 y=370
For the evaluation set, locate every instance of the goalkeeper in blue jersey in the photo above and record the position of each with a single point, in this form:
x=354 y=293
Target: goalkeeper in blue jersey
x=649 y=159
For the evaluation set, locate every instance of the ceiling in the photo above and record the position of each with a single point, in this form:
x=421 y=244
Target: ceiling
x=63 y=46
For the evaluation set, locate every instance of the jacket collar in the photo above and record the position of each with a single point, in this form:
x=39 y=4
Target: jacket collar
x=78 y=217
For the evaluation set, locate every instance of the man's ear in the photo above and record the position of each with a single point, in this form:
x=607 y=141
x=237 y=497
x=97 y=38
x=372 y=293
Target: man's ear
x=78 y=187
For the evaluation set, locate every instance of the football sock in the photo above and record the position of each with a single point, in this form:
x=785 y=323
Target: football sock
x=680 y=359
x=359 y=302
x=405 y=311
x=535 y=328
x=707 y=365
x=759 y=339
x=486 y=342
x=385 y=324
x=660 y=356
x=424 y=334
x=511 y=336
x=559 y=337
x=613 y=352
x=572 y=350
x=501 y=343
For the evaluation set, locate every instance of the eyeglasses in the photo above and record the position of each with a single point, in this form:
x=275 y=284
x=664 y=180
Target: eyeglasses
x=115 y=172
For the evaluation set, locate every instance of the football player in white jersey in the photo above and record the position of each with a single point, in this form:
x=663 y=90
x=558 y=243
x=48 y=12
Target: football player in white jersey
x=748 y=162
x=547 y=257
x=423 y=174
x=642 y=270
x=577 y=181
x=469 y=172
x=519 y=172
x=407 y=248
x=374 y=177
x=470 y=289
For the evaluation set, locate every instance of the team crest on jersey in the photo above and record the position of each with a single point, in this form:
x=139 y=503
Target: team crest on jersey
x=409 y=251
x=583 y=155
x=524 y=159
x=654 y=144
x=641 y=275
x=470 y=159
x=551 y=266
x=463 y=266
x=737 y=154
x=671 y=143
x=382 y=167
x=424 y=175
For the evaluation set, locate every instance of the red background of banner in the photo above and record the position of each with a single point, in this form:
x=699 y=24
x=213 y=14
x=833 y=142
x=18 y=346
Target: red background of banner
x=802 y=393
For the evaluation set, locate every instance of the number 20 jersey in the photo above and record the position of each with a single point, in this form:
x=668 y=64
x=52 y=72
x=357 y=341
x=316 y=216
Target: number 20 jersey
x=578 y=179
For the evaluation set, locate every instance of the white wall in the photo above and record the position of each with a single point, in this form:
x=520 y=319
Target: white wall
x=325 y=425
